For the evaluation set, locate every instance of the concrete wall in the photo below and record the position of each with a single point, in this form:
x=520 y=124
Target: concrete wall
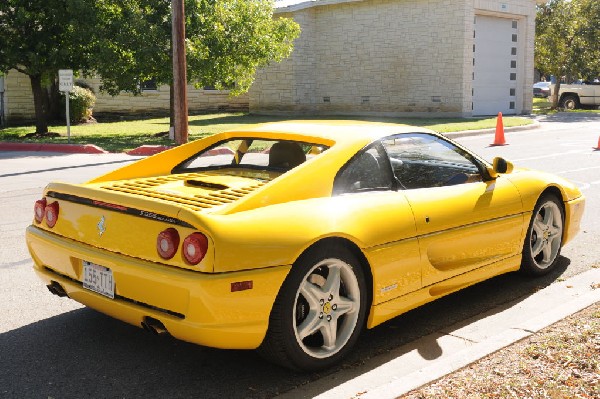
x=157 y=101
x=384 y=57
x=19 y=100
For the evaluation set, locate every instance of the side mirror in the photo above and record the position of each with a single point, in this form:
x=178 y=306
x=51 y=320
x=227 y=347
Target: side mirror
x=500 y=166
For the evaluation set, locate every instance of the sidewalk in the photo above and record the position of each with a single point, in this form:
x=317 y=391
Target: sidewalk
x=460 y=345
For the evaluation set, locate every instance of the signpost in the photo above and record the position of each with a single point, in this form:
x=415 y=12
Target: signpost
x=65 y=83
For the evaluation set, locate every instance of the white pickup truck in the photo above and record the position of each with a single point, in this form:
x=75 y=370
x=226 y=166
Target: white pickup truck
x=576 y=95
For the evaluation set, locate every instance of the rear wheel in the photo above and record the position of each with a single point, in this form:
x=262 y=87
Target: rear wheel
x=544 y=236
x=319 y=312
x=570 y=102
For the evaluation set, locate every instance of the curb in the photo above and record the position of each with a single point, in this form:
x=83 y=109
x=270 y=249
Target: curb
x=467 y=133
x=148 y=150
x=405 y=369
x=49 y=147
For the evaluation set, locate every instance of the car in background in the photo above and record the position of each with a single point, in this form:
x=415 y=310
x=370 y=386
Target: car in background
x=542 y=89
x=579 y=95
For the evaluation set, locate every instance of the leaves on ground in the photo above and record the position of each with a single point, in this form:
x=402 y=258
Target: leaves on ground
x=560 y=362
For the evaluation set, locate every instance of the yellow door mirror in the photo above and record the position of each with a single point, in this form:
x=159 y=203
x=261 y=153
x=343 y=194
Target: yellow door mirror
x=500 y=166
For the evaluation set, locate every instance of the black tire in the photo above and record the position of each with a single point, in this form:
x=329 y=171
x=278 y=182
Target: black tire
x=309 y=301
x=543 y=242
x=570 y=101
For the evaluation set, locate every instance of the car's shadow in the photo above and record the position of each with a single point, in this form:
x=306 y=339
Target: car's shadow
x=83 y=353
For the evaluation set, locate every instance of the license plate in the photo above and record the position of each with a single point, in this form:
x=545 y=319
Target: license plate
x=98 y=279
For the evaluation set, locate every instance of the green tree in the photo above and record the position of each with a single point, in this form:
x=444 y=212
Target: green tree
x=132 y=44
x=566 y=42
x=38 y=38
x=128 y=41
x=229 y=39
x=226 y=41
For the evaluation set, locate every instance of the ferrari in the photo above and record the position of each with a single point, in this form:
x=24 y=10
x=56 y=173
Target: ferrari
x=293 y=237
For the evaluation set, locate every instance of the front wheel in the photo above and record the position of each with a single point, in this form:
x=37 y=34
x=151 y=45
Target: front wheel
x=319 y=312
x=544 y=236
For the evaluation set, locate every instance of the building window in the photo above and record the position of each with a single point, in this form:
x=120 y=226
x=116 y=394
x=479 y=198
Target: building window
x=514 y=37
x=213 y=88
x=513 y=51
x=513 y=76
x=511 y=105
x=513 y=92
x=514 y=24
x=149 y=85
x=513 y=64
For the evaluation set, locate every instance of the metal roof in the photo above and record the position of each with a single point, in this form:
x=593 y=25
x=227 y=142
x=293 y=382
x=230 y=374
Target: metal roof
x=295 y=5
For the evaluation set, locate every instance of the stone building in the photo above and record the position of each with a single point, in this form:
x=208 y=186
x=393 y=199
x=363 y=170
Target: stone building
x=403 y=57
x=17 y=106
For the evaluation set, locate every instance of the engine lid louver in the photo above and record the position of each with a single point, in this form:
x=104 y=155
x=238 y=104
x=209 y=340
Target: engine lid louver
x=196 y=191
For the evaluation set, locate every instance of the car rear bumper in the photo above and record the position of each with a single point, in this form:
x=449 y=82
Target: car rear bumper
x=193 y=306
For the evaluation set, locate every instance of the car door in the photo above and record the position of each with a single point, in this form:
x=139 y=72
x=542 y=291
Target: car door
x=384 y=222
x=463 y=222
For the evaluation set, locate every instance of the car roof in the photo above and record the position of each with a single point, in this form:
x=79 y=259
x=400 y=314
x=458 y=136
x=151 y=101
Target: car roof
x=340 y=131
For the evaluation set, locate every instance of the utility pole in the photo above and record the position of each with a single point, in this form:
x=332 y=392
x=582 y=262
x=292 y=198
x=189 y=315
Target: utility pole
x=180 y=118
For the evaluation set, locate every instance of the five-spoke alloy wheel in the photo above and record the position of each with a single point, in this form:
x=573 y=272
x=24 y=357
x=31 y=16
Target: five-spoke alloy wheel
x=544 y=236
x=320 y=310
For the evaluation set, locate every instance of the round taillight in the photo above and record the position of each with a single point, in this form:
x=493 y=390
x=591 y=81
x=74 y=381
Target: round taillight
x=51 y=212
x=39 y=209
x=194 y=248
x=167 y=243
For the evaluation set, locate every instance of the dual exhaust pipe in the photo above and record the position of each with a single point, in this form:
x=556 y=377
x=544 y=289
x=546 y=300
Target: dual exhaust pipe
x=57 y=289
x=154 y=326
x=149 y=324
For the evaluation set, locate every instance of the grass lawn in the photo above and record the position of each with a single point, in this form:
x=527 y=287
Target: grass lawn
x=125 y=135
x=541 y=106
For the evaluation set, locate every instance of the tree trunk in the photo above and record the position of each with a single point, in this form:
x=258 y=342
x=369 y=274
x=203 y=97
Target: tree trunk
x=39 y=102
x=554 y=96
x=55 y=111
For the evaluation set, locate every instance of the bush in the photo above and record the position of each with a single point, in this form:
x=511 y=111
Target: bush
x=81 y=102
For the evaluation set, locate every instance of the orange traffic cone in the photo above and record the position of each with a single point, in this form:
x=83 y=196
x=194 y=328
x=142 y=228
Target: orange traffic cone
x=499 y=139
x=598 y=148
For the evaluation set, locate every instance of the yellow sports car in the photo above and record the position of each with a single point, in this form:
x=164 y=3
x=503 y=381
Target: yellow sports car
x=293 y=237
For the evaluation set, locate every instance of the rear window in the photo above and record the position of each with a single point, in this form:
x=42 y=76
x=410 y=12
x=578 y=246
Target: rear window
x=251 y=153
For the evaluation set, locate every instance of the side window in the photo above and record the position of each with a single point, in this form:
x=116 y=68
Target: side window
x=368 y=170
x=421 y=160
